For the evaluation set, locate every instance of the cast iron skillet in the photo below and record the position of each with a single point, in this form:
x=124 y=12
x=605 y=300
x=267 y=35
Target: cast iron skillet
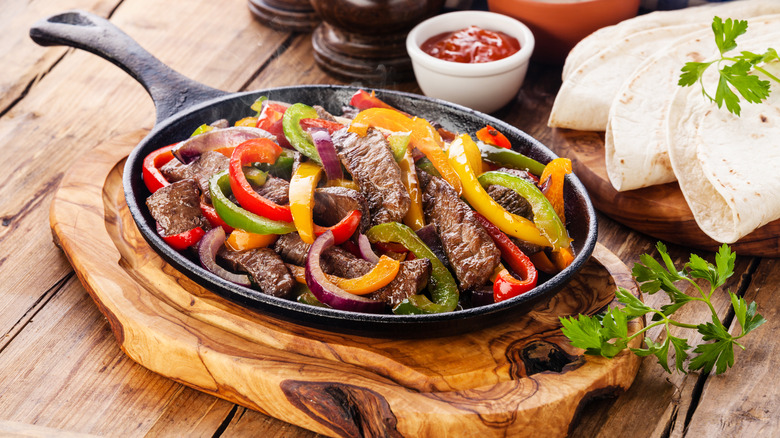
x=182 y=105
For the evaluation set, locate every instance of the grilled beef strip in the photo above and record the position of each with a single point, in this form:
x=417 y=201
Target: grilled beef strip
x=332 y=204
x=514 y=203
x=264 y=266
x=176 y=207
x=369 y=160
x=412 y=275
x=276 y=190
x=207 y=165
x=469 y=248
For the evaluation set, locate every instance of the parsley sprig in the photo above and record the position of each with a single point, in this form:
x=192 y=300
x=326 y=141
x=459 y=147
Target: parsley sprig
x=734 y=71
x=606 y=334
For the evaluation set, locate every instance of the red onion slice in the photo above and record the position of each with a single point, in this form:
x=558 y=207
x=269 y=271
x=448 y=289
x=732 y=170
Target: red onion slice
x=190 y=149
x=330 y=160
x=207 y=252
x=366 y=252
x=327 y=292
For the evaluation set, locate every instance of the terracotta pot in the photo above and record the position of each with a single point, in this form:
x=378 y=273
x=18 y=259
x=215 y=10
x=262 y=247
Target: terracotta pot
x=559 y=26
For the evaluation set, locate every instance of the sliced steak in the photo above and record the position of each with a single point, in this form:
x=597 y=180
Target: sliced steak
x=470 y=250
x=292 y=249
x=264 y=266
x=201 y=170
x=369 y=160
x=275 y=190
x=176 y=207
x=412 y=278
x=323 y=113
x=511 y=201
x=332 y=204
x=335 y=260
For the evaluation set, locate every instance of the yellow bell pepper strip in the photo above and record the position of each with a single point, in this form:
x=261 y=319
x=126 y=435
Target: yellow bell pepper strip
x=555 y=171
x=424 y=137
x=240 y=240
x=302 y=185
x=253 y=150
x=441 y=285
x=378 y=277
x=545 y=219
x=480 y=201
x=414 y=217
x=510 y=158
x=150 y=172
x=247 y=121
x=341 y=182
x=472 y=154
x=298 y=138
x=342 y=230
x=237 y=217
x=492 y=136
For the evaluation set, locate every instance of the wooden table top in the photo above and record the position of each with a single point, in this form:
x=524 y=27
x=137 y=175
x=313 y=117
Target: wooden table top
x=61 y=370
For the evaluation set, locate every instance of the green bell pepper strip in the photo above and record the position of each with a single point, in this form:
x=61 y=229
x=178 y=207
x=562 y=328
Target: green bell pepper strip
x=442 y=286
x=545 y=219
x=237 y=217
x=300 y=140
x=425 y=165
x=510 y=158
x=282 y=168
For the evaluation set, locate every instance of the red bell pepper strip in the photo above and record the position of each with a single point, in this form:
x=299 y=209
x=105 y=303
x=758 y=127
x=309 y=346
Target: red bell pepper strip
x=506 y=285
x=362 y=100
x=342 y=230
x=150 y=172
x=211 y=215
x=253 y=150
x=490 y=135
x=332 y=127
x=270 y=119
x=183 y=240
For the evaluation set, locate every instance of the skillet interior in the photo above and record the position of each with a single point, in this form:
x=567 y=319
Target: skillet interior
x=456 y=118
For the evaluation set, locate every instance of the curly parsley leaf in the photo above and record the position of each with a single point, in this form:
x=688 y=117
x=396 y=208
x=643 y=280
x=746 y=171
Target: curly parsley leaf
x=735 y=77
x=607 y=334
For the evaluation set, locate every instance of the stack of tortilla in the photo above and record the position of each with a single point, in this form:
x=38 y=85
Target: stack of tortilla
x=623 y=80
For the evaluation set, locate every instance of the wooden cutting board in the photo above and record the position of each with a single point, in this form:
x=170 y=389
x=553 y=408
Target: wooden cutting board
x=514 y=379
x=659 y=211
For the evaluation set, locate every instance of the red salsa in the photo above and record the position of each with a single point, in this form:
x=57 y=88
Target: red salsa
x=471 y=45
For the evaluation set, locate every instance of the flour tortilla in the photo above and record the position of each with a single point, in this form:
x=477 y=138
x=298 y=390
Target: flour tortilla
x=727 y=166
x=635 y=141
x=608 y=36
x=586 y=94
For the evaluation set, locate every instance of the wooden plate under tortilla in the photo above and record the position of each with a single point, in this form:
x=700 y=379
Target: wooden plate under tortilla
x=659 y=211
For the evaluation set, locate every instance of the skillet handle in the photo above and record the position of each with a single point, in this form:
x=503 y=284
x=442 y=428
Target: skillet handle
x=171 y=91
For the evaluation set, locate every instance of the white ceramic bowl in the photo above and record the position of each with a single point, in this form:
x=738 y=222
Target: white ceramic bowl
x=485 y=86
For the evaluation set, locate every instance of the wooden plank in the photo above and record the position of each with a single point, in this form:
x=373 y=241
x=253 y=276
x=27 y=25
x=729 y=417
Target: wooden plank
x=23 y=61
x=85 y=100
x=751 y=407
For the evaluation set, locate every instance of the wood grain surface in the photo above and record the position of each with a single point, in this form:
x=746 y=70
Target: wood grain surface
x=521 y=375
x=61 y=368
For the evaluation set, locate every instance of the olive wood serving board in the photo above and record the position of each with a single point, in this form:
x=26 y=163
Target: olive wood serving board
x=659 y=211
x=518 y=378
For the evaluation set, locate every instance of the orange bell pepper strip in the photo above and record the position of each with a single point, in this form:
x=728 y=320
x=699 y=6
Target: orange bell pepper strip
x=492 y=136
x=480 y=201
x=556 y=171
x=424 y=137
x=240 y=240
x=260 y=150
x=378 y=277
x=302 y=186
